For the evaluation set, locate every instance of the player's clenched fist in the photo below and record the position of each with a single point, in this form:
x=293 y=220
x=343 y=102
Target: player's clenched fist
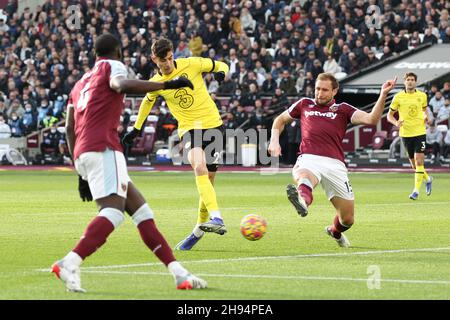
x=274 y=149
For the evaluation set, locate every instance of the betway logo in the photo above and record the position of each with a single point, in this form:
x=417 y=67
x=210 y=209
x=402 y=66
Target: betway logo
x=331 y=115
x=422 y=65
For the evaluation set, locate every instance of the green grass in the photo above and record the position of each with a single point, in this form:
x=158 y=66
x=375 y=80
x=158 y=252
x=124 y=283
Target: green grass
x=42 y=218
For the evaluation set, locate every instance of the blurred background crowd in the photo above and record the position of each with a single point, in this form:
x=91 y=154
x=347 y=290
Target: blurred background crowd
x=275 y=49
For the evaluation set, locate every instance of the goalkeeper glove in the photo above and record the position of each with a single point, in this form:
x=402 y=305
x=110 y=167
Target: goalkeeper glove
x=129 y=137
x=84 y=190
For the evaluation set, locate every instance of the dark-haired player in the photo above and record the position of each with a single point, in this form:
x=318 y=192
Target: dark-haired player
x=411 y=105
x=95 y=106
x=197 y=117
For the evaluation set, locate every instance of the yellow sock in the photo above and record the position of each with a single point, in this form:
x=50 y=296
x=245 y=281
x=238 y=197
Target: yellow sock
x=425 y=175
x=418 y=177
x=207 y=193
x=203 y=214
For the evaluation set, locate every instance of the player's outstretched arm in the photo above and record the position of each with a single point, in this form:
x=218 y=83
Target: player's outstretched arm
x=277 y=128
x=123 y=85
x=372 y=118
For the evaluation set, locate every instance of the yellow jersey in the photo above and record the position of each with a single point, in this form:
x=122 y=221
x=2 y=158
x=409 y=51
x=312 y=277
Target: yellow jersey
x=193 y=109
x=411 y=108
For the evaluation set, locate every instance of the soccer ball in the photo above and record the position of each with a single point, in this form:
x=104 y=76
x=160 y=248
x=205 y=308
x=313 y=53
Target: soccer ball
x=253 y=227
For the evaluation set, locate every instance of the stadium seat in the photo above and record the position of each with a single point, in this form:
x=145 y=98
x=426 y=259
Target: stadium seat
x=133 y=119
x=144 y=144
x=393 y=133
x=378 y=140
x=152 y=121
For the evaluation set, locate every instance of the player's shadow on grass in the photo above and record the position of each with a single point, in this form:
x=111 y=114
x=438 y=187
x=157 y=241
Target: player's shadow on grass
x=219 y=250
x=365 y=248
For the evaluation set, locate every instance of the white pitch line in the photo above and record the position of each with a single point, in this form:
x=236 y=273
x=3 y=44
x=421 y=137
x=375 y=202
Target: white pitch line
x=263 y=276
x=313 y=255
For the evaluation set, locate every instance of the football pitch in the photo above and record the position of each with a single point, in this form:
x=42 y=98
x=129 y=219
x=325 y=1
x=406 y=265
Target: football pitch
x=400 y=248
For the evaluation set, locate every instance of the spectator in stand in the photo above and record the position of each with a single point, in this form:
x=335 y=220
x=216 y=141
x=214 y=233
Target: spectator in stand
x=41 y=50
x=446 y=37
x=269 y=84
x=241 y=117
x=330 y=65
x=446 y=147
x=249 y=98
x=432 y=92
x=5 y=130
x=317 y=68
x=386 y=53
x=371 y=58
x=51 y=142
x=287 y=83
x=300 y=82
x=195 y=44
x=229 y=122
x=15 y=123
x=211 y=83
x=433 y=141
x=227 y=87
x=182 y=50
x=414 y=40
x=29 y=119
x=429 y=37
x=446 y=90
x=444 y=112
x=436 y=103
x=3 y=107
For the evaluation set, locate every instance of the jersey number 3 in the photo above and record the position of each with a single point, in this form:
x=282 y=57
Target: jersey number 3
x=185 y=99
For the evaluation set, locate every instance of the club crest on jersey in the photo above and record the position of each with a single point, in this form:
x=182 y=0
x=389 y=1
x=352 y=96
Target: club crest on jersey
x=124 y=187
x=333 y=108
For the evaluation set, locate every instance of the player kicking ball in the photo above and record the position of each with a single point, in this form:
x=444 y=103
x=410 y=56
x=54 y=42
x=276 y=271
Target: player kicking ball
x=93 y=115
x=323 y=124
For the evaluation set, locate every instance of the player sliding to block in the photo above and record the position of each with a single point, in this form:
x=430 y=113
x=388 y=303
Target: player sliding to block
x=323 y=124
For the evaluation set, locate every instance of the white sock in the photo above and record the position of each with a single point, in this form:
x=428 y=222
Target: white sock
x=197 y=232
x=177 y=269
x=73 y=258
x=215 y=214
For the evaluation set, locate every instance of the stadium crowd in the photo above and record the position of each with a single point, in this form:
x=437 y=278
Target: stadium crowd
x=275 y=49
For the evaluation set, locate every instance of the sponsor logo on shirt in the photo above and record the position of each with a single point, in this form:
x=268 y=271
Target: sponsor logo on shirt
x=331 y=115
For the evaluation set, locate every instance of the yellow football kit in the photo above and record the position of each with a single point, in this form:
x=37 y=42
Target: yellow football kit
x=193 y=109
x=410 y=108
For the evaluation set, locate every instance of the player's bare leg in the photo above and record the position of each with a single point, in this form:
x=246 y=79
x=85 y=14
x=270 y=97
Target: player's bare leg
x=109 y=218
x=143 y=217
x=197 y=159
x=203 y=216
x=343 y=220
x=301 y=195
